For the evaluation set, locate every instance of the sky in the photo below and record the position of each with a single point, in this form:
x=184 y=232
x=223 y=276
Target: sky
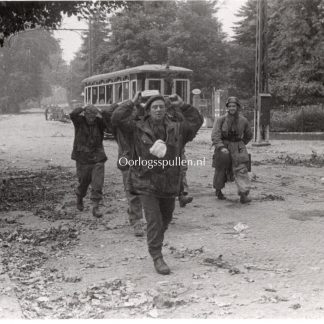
x=71 y=40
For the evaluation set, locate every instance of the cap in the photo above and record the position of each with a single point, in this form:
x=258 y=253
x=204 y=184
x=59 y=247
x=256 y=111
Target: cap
x=153 y=98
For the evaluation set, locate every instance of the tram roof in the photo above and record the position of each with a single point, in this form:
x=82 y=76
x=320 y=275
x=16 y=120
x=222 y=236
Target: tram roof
x=137 y=69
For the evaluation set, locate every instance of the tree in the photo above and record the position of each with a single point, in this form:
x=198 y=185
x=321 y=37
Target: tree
x=296 y=51
x=295 y=43
x=16 y=16
x=138 y=34
x=198 y=43
x=245 y=28
x=184 y=33
x=21 y=69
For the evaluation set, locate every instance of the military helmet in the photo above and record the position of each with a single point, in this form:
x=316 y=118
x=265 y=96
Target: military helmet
x=232 y=100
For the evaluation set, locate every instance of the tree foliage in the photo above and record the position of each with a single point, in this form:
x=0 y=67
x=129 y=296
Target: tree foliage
x=296 y=50
x=187 y=34
x=22 y=69
x=16 y=16
x=295 y=47
x=138 y=34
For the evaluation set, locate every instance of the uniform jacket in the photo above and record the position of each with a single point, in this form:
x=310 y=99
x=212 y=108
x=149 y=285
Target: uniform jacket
x=157 y=181
x=88 y=139
x=232 y=132
x=125 y=142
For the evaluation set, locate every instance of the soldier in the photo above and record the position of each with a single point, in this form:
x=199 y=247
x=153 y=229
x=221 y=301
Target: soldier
x=230 y=135
x=157 y=139
x=125 y=144
x=175 y=114
x=89 y=154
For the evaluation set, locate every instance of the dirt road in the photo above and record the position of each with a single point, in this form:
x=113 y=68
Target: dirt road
x=261 y=260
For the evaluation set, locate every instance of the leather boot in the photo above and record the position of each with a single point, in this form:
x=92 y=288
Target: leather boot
x=161 y=267
x=96 y=212
x=184 y=200
x=219 y=194
x=79 y=203
x=244 y=199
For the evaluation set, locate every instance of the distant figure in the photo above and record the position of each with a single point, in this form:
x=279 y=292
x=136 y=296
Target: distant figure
x=89 y=154
x=46 y=112
x=230 y=135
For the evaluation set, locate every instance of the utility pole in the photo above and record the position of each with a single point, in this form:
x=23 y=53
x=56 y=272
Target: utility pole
x=262 y=98
x=90 y=47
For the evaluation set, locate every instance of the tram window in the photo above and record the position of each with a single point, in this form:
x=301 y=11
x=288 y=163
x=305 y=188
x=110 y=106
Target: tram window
x=181 y=88
x=88 y=94
x=118 y=92
x=94 y=95
x=101 y=94
x=167 y=87
x=109 y=94
x=126 y=90
x=133 y=88
x=154 y=85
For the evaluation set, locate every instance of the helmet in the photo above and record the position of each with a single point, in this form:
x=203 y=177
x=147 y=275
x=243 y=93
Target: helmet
x=232 y=100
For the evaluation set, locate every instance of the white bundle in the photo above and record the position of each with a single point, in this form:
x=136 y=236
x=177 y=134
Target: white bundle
x=158 y=149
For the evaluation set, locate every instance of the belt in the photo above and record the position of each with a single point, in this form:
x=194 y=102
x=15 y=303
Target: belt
x=233 y=139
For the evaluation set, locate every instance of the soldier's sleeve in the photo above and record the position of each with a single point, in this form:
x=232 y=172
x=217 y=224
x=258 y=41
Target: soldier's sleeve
x=75 y=115
x=248 y=135
x=192 y=121
x=107 y=112
x=123 y=117
x=216 y=135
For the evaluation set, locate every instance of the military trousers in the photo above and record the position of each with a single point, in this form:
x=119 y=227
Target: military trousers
x=134 y=203
x=158 y=213
x=240 y=175
x=90 y=174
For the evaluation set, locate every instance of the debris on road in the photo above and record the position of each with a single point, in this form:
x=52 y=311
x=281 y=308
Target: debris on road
x=220 y=263
x=264 y=268
x=240 y=227
x=295 y=306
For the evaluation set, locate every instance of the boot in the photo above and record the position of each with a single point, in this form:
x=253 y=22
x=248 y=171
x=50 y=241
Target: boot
x=219 y=194
x=79 y=203
x=161 y=267
x=184 y=200
x=244 y=199
x=96 y=212
x=138 y=229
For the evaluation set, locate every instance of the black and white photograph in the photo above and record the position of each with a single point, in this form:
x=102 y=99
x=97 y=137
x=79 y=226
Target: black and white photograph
x=162 y=160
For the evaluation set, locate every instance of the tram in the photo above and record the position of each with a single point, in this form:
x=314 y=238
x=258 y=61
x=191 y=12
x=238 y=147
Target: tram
x=120 y=86
x=103 y=90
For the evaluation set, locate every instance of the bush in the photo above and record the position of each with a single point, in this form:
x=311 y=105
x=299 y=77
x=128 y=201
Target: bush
x=302 y=119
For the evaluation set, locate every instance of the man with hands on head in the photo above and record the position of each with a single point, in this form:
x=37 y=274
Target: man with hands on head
x=89 y=154
x=159 y=139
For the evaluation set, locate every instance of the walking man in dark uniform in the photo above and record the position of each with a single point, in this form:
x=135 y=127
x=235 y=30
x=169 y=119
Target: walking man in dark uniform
x=157 y=139
x=89 y=154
